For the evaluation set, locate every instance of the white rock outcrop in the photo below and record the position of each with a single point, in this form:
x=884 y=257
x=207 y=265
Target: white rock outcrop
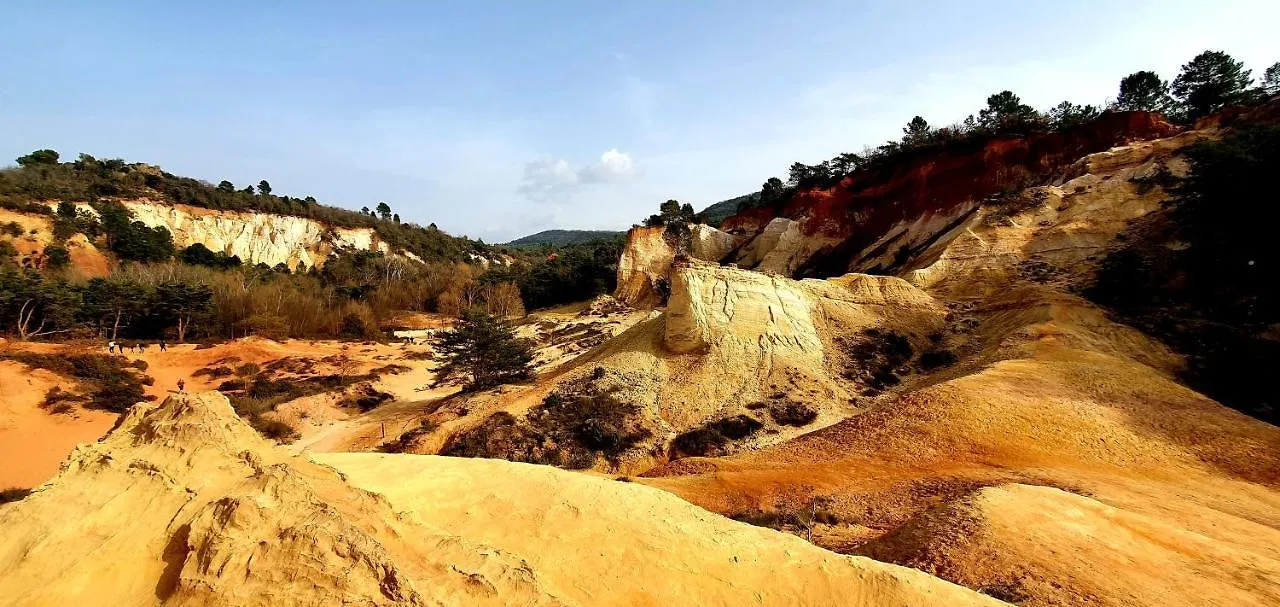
x=255 y=237
x=716 y=306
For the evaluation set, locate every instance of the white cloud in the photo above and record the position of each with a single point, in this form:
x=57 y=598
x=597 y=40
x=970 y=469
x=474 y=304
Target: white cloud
x=613 y=166
x=547 y=179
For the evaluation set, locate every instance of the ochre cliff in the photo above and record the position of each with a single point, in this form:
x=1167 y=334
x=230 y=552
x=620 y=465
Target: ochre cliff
x=255 y=237
x=873 y=220
x=646 y=260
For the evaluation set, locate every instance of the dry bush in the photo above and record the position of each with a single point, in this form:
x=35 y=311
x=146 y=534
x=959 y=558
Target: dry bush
x=57 y=401
x=274 y=429
x=13 y=494
x=712 y=438
x=503 y=300
x=405 y=441
x=570 y=429
x=791 y=413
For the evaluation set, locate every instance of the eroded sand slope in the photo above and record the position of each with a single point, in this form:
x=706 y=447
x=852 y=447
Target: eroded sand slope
x=183 y=504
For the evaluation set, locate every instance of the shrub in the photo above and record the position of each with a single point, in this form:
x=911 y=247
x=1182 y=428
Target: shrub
x=876 y=358
x=792 y=413
x=365 y=398
x=13 y=494
x=405 y=441
x=115 y=387
x=274 y=429
x=213 y=372
x=712 y=437
x=935 y=359
x=56 y=257
x=569 y=429
x=118 y=397
x=57 y=401
x=358 y=326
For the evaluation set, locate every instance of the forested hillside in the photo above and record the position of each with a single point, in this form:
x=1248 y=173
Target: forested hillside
x=40 y=177
x=564 y=237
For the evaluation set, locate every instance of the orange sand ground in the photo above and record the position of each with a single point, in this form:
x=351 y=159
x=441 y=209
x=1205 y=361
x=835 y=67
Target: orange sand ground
x=34 y=442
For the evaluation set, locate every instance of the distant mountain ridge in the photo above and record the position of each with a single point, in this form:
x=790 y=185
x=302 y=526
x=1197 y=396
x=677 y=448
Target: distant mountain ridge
x=563 y=237
x=713 y=216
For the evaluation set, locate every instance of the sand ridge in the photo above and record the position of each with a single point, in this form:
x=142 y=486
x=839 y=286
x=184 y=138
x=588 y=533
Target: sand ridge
x=184 y=504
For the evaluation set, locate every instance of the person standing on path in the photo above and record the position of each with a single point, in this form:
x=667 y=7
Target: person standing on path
x=181 y=384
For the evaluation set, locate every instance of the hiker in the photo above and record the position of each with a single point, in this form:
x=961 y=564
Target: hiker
x=181 y=384
x=142 y=348
x=111 y=347
x=162 y=346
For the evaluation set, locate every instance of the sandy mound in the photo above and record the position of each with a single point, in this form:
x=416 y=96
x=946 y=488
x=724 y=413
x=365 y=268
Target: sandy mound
x=1018 y=542
x=183 y=503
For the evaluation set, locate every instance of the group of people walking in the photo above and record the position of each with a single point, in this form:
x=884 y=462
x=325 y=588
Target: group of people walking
x=139 y=347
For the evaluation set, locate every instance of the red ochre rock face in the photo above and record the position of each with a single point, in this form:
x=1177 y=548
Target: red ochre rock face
x=865 y=206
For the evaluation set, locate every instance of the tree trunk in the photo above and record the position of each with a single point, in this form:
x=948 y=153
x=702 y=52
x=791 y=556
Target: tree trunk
x=182 y=329
x=25 y=314
x=115 y=328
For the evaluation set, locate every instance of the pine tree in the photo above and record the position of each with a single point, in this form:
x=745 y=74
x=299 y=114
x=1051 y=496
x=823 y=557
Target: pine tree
x=484 y=349
x=1143 y=91
x=1005 y=112
x=1271 y=79
x=183 y=303
x=916 y=132
x=1210 y=81
x=1066 y=115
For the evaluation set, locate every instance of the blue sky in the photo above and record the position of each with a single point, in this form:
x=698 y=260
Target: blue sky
x=498 y=119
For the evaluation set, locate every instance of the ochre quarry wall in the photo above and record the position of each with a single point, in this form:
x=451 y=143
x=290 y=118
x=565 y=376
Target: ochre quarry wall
x=647 y=259
x=255 y=237
x=863 y=223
